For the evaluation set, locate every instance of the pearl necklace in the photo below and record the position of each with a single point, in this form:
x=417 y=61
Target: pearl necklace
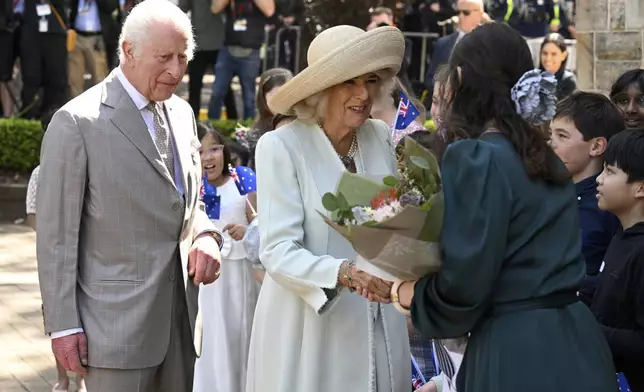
x=353 y=149
x=348 y=159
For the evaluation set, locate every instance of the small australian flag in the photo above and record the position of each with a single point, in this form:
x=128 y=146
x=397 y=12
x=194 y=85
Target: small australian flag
x=407 y=113
x=244 y=178
x=622 y=383
x=210 y=198
x=245 y=181
x=417 y=378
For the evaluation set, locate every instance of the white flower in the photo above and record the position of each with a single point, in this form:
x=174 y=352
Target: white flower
x=387 y=211
x=361 y=215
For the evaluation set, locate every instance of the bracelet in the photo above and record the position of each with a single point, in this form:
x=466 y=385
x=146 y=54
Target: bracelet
x=347 y=273
x=395 y=300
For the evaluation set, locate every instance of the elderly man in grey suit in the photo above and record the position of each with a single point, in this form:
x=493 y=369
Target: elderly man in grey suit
x=120 y=225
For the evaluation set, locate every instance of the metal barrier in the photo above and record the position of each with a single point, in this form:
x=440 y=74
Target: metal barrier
x=277 y=45
x=275 y=48
x=423 y=49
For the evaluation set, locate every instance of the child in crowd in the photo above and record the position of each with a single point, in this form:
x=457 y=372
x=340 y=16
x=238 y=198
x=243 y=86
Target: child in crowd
x=618 y=302
x=239 y=154
x=227 y=308
x=579 y=133
x=63 y=379
x=269 y=82
x=628 y=94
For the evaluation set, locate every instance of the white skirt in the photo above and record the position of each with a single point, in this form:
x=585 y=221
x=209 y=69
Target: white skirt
x=227 y=307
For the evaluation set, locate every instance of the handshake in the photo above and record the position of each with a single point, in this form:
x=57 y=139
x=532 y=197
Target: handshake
x=369 y=286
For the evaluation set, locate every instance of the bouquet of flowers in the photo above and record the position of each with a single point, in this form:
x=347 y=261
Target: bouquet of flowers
x=393 y=223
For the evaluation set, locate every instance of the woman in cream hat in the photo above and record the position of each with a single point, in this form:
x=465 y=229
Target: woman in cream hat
x=312 y=331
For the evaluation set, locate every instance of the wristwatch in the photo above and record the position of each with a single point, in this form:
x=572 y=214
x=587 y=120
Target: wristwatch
x=217 y=237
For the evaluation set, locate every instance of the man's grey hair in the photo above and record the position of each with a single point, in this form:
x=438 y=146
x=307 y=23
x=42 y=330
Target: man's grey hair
x=147 y=16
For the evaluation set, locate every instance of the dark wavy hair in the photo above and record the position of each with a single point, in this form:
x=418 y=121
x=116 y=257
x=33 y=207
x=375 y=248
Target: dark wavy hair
x=632 y=77
x=484 y=67
x=560 y=42
x=272 y=78
x=204 y=128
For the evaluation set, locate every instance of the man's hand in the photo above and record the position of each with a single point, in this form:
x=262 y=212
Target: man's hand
x=204 y=260
x=71 y=352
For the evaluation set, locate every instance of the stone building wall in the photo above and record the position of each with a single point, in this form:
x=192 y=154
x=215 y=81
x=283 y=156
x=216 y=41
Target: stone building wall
x=610 y=41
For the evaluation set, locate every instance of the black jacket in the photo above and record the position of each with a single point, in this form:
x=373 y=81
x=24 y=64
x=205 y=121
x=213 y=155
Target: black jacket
x=618 y=303
x=54 y=26
x=566 y=83
x=442 y=53
x=6 y=15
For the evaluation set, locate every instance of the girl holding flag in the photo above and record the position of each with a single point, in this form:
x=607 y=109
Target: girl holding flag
x=228 y=307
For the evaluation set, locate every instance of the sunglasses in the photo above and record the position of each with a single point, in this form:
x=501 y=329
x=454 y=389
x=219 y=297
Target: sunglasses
x=464 y=12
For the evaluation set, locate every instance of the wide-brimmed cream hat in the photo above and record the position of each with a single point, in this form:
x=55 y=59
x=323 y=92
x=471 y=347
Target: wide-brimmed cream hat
x=339 y=54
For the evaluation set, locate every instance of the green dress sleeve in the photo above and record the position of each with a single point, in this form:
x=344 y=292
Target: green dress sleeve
x=477 y=214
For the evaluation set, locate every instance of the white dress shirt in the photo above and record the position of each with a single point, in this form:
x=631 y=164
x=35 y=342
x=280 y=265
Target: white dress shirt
x=140 y=102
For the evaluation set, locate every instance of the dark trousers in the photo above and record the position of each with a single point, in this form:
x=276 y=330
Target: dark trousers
x=43 y=64
x=202 y=60
x=247 y=69
x=9 y=53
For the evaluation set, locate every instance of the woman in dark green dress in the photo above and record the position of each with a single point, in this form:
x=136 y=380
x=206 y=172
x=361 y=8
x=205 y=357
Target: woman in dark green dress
x=511 y=238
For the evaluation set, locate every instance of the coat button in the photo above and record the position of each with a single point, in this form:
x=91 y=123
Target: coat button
x=175 y=206
x=171 y=276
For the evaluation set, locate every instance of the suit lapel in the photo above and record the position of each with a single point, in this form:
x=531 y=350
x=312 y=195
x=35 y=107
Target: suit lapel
x=451 y=46
x=128 y=120
x=326 y=168
x=184 y=151
x=181 y=147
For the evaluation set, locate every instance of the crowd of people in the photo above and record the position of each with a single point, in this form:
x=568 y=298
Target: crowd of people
x=173 y=259
x=62 y=43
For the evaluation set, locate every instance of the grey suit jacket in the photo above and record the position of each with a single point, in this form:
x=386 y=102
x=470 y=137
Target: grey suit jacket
x=112 y=226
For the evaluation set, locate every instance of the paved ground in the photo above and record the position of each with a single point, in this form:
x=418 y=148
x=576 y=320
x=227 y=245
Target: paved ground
x=26 y=362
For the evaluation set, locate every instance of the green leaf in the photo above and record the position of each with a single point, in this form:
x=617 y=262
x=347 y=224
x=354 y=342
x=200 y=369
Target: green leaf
x=413 y=148
x=429 y=190
x=435 y=208
x=420 y=162
x=371 y=223
x=330 y=202
x=391 y=181
x=342 y=202
x=359 y=189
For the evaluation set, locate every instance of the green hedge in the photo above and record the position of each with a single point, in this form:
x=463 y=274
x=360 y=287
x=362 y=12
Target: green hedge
x=19 y=144
x=20 y=141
